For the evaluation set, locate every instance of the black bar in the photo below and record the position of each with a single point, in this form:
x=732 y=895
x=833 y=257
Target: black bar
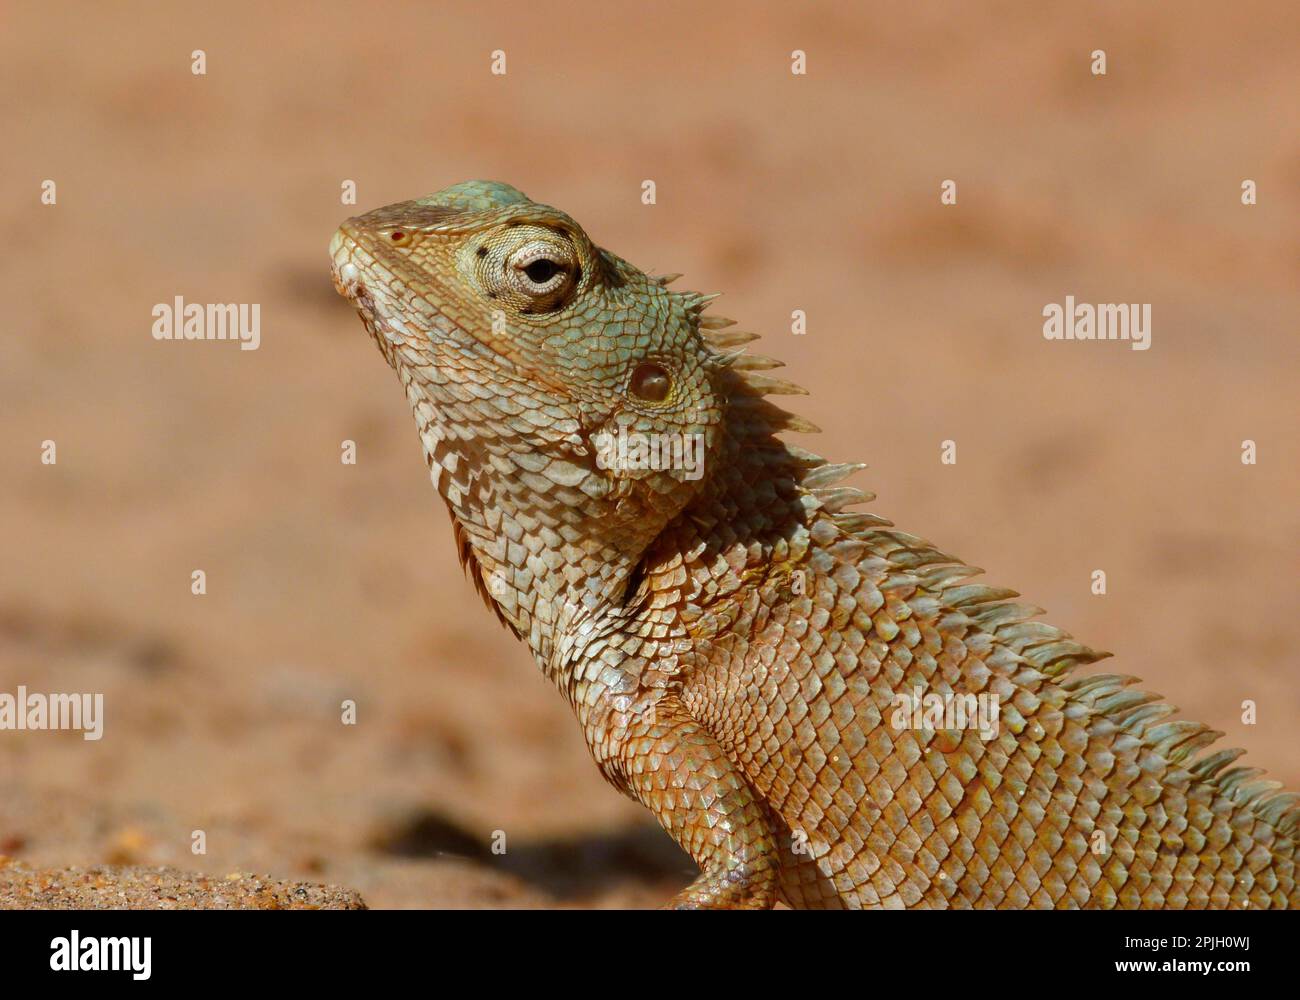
x=692 y=953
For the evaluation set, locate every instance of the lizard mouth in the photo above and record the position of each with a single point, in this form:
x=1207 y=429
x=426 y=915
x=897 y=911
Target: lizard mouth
x=349 y=258
x=345 y=274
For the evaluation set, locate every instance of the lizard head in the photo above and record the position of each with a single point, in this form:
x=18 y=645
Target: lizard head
x=567 y=403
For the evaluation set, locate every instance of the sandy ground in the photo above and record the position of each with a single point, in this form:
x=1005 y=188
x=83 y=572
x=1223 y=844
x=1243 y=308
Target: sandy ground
x=328 y=582
x=161 y=888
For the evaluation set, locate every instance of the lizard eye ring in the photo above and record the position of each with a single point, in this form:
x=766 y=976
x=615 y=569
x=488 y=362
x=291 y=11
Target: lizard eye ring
x=540 y=269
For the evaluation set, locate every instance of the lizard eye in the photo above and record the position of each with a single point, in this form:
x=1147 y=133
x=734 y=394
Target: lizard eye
x=541 y=269
x=651 y=382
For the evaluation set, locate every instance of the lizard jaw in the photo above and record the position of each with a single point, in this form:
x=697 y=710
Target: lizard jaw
x=353 y=265
x=386 y=330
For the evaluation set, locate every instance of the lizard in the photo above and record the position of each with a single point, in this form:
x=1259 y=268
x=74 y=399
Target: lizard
x=736 y=638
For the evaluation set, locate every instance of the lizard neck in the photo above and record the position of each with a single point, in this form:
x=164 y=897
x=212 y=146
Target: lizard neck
x=532 y=553
x=753 y=523
x=560 y=567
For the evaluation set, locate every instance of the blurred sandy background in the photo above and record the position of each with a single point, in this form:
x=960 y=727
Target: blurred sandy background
x=820 y=193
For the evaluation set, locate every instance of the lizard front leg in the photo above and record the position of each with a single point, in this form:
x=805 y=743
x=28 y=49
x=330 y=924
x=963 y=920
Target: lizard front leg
x=676 y=768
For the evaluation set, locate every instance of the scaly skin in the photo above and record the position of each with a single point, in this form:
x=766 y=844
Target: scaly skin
x=732 y=644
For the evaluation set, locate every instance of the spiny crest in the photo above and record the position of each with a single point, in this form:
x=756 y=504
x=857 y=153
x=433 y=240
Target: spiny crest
x=1111 y=698
x=730 y=354
x=818 y=475
x=1138 y=713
